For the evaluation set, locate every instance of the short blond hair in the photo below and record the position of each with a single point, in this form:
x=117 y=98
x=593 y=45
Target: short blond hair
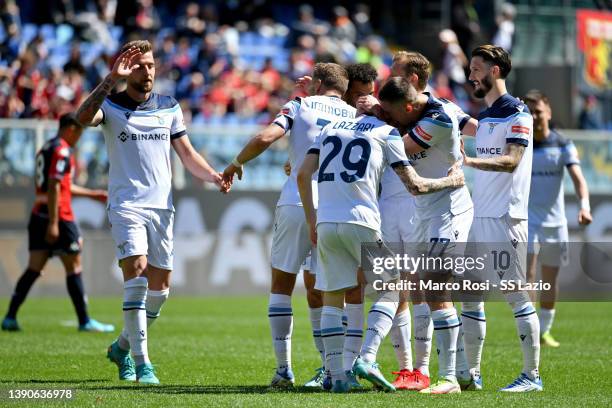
x=332 y=76
x=143 y=46
x=414 y=63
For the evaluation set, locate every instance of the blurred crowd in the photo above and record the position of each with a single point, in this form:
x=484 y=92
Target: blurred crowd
x=226 y=62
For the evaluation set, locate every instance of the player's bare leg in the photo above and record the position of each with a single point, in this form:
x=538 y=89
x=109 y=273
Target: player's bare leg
x=547 y=305
x=532 y=272
x=280 y=314
x=74 y=284
x=36 y=263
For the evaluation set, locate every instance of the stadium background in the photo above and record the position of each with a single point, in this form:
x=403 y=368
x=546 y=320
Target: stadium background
x=231 y=64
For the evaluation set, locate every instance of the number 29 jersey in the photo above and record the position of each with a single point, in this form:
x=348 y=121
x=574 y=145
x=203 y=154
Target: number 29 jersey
x=352 y=157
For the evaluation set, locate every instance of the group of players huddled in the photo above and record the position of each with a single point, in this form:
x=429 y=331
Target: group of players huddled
x=361 y=170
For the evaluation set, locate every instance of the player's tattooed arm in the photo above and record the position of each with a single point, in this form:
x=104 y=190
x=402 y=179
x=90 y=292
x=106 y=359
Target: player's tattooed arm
x=505 y=163
x=418 y=185
x=89 y=113
x=304 y=178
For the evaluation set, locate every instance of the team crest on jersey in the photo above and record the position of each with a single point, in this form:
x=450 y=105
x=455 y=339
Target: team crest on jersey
x=123 y=136
x=492 y=127
x=127 y=114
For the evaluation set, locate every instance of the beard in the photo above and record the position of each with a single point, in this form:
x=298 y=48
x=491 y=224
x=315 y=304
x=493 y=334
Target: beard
x=144 y=87
x=486 y=84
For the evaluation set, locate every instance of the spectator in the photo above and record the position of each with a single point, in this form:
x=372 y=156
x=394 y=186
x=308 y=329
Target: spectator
x=307 y=24
x=191 y=24
x=505 y=27
x=454 y=61
x=362 y=22
x=74 y=62
x=590 y=115
x=465 y=23
x=147 y=19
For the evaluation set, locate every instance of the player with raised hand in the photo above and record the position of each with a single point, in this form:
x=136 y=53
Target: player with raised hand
x=504 y=149
x=548 y=235
x=350 y=156
x=304 y=118
x=52 y=229
x=140 y=126
x=442 y=219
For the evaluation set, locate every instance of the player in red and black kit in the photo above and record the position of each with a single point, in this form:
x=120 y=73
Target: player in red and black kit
x=52 y=230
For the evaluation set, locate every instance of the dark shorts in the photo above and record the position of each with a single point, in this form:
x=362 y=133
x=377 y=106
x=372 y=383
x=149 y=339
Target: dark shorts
x=69 y=241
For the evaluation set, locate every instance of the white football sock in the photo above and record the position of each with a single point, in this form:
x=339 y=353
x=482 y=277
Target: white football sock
x=461 y=365
x=547 y=316
x=332 y=333
x=400 y=338
x=528 y=328
x=354 y=334
x=135 y=318
x=380 y=320
x=474 y=332
x=423 y=333
x=315 y=322
x=280 y=315
x=155 y=301
x=153 y=305
x=446 y=328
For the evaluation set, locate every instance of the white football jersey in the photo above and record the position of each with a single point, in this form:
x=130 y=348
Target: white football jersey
x=546 y=200
x=138 y=139
x=305 y=117
x=437 y=132
x=352 y=156
x=498 y=193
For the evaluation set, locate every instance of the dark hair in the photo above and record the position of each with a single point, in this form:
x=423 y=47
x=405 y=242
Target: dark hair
x=398 y=89
x=332 y=76
x=534 y=96
x=495 y=55
x=414 y=63
x=364 y=72
x=68 y=119
x=143 y=45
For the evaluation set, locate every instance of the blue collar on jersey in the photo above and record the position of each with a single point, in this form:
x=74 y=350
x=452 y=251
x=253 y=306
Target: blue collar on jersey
x=554 y=139
x=154 y=102
x=503 y=107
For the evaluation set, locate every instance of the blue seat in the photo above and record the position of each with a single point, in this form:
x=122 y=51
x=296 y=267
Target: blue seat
x=28 y=32
x=64 y=34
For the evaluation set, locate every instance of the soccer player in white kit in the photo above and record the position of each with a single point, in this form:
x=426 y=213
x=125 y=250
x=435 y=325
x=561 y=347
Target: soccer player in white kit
x=441 y=219
x=504 y=146
x=350 y=156
x=394 y=199
x=139 y=128
x=304 y=117
x=548 y=235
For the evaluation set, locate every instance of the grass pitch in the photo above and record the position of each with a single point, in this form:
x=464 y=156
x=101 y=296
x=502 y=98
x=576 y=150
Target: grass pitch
x=218 y=352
